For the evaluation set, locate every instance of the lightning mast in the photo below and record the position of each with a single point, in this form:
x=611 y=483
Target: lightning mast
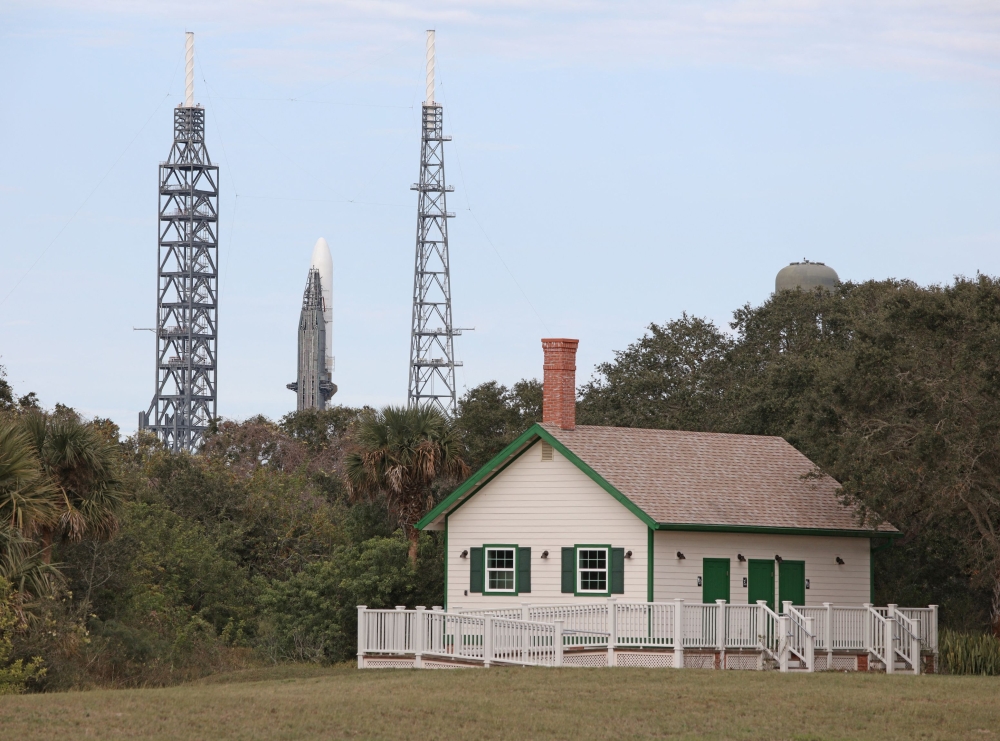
x=432 y=352
x=184 y=401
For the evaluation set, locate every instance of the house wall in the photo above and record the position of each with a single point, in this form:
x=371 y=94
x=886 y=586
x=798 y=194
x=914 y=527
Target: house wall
x=828 y=582
x=544 y=505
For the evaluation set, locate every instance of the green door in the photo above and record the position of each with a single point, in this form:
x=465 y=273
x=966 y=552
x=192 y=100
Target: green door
x=792 y=582
x=715 y=579
x=760 y=581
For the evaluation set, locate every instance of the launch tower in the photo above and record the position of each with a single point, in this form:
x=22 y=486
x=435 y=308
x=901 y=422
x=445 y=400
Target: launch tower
x=184 y=401
x=432 y=352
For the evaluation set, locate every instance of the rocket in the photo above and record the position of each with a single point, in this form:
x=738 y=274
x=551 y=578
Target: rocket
x=323 y=262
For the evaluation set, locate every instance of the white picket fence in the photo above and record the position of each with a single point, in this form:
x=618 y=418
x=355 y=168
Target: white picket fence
x=539 y=635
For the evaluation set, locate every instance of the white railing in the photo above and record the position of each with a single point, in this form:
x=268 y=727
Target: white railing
x=645 y=624
x=528 y=634
x=905 y=639
x=801 y=636
x=878 y=638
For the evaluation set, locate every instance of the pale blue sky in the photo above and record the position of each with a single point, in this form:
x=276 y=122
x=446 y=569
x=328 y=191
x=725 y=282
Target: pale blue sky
x=614 y=164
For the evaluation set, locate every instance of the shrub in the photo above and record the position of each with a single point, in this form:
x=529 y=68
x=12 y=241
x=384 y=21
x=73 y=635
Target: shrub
x=964 y=653
x=14 y=675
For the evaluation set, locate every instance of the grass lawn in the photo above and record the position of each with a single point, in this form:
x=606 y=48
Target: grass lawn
x=298 y=702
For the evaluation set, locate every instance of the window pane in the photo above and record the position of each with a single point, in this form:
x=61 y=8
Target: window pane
x=501 y=581
x=596 y=581
x=500 y=559
x=594 y=559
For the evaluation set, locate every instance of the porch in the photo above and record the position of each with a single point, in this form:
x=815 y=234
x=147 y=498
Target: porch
x=675 y=634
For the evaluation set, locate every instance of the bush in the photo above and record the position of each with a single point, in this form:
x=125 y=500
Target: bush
x=14 y=675
x=964 y=653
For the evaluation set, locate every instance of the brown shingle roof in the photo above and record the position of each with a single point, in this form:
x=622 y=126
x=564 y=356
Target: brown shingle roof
x=706 y=478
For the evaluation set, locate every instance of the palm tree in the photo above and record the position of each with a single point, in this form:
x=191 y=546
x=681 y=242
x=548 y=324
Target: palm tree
x=400 y=452
x=82 y=467
x=28 y=503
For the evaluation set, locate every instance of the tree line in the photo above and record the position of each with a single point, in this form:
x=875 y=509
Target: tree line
x=122 y=564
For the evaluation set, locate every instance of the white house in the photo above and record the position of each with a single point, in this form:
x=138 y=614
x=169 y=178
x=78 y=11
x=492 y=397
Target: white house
x=570 y=513
x=600 y=546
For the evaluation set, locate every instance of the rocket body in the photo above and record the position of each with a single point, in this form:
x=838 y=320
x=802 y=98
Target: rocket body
x=323 y=262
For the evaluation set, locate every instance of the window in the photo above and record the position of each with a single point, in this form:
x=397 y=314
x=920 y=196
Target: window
x=592 y=570
x=500 y=569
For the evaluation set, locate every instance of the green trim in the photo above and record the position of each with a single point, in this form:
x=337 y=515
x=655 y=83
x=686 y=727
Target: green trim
x=486 y=573
x=696 y=527
x=481 y=477
x=649 y=565
x=446 y=563
x=576 y=571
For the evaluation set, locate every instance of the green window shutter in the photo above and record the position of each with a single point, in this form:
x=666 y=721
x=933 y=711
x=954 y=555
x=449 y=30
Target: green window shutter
x=475 y=569
x=617 y=571
x=568 y=570
x=523 y=570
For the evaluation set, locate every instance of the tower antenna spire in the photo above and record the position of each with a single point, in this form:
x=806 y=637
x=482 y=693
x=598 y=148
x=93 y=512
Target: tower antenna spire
x=189 y=69
x=432 y=347
x=430 y=68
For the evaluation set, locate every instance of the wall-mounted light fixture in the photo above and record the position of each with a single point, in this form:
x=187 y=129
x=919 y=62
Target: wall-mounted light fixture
x=807 y=584
x=545 y=554
x=465 y=554
x=744 y=582
x=628 y=554
x=680 y=557
x=778 y=558
x=740 y=557
x=699 y=581
x=840 y=561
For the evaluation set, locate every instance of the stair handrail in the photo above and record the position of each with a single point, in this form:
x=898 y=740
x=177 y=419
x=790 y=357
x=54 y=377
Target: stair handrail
x=801 y=638
x=909 y=639
x=878 y=636
x=771 y=638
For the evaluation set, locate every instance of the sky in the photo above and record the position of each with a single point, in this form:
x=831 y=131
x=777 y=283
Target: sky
x=614 y=163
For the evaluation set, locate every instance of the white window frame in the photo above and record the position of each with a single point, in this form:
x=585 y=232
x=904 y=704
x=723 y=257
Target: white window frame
x=487 y=589
x=580 y=569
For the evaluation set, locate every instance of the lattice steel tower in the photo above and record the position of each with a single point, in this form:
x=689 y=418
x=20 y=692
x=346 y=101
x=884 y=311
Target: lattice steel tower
x=187 y=281
x=432 y=351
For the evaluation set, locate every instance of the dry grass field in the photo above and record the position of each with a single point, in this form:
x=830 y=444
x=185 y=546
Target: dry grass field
x=310 y=703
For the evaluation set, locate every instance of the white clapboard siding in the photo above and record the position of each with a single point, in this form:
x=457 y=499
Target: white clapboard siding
x=543 y=505
x=828 y=581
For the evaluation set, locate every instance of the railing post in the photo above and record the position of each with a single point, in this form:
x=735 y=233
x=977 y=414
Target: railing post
x=362 y=635
x=869 y=630
x=678 y=634
x=915 y=651
x=419 y=636
x=890 y=639
x=828 y=635
x=786 y=606
x=810 y=644
x=612 y=630
x=783 y=643
x=487 y=640
x=525 y=612
x=932 y=636
x=557 y=642
x=720 y=631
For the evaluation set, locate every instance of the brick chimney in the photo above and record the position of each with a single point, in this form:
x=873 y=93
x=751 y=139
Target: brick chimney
x=559 y=382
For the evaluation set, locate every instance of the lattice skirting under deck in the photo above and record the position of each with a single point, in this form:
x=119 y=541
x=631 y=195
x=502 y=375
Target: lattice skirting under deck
x=840 y=663
x=699 y=660
x=645 y=659
x=744 y=662
x=378 y=662
x=586 y=658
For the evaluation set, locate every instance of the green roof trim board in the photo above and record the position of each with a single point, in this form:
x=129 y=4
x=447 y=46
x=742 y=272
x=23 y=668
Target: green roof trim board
x=537 y=432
